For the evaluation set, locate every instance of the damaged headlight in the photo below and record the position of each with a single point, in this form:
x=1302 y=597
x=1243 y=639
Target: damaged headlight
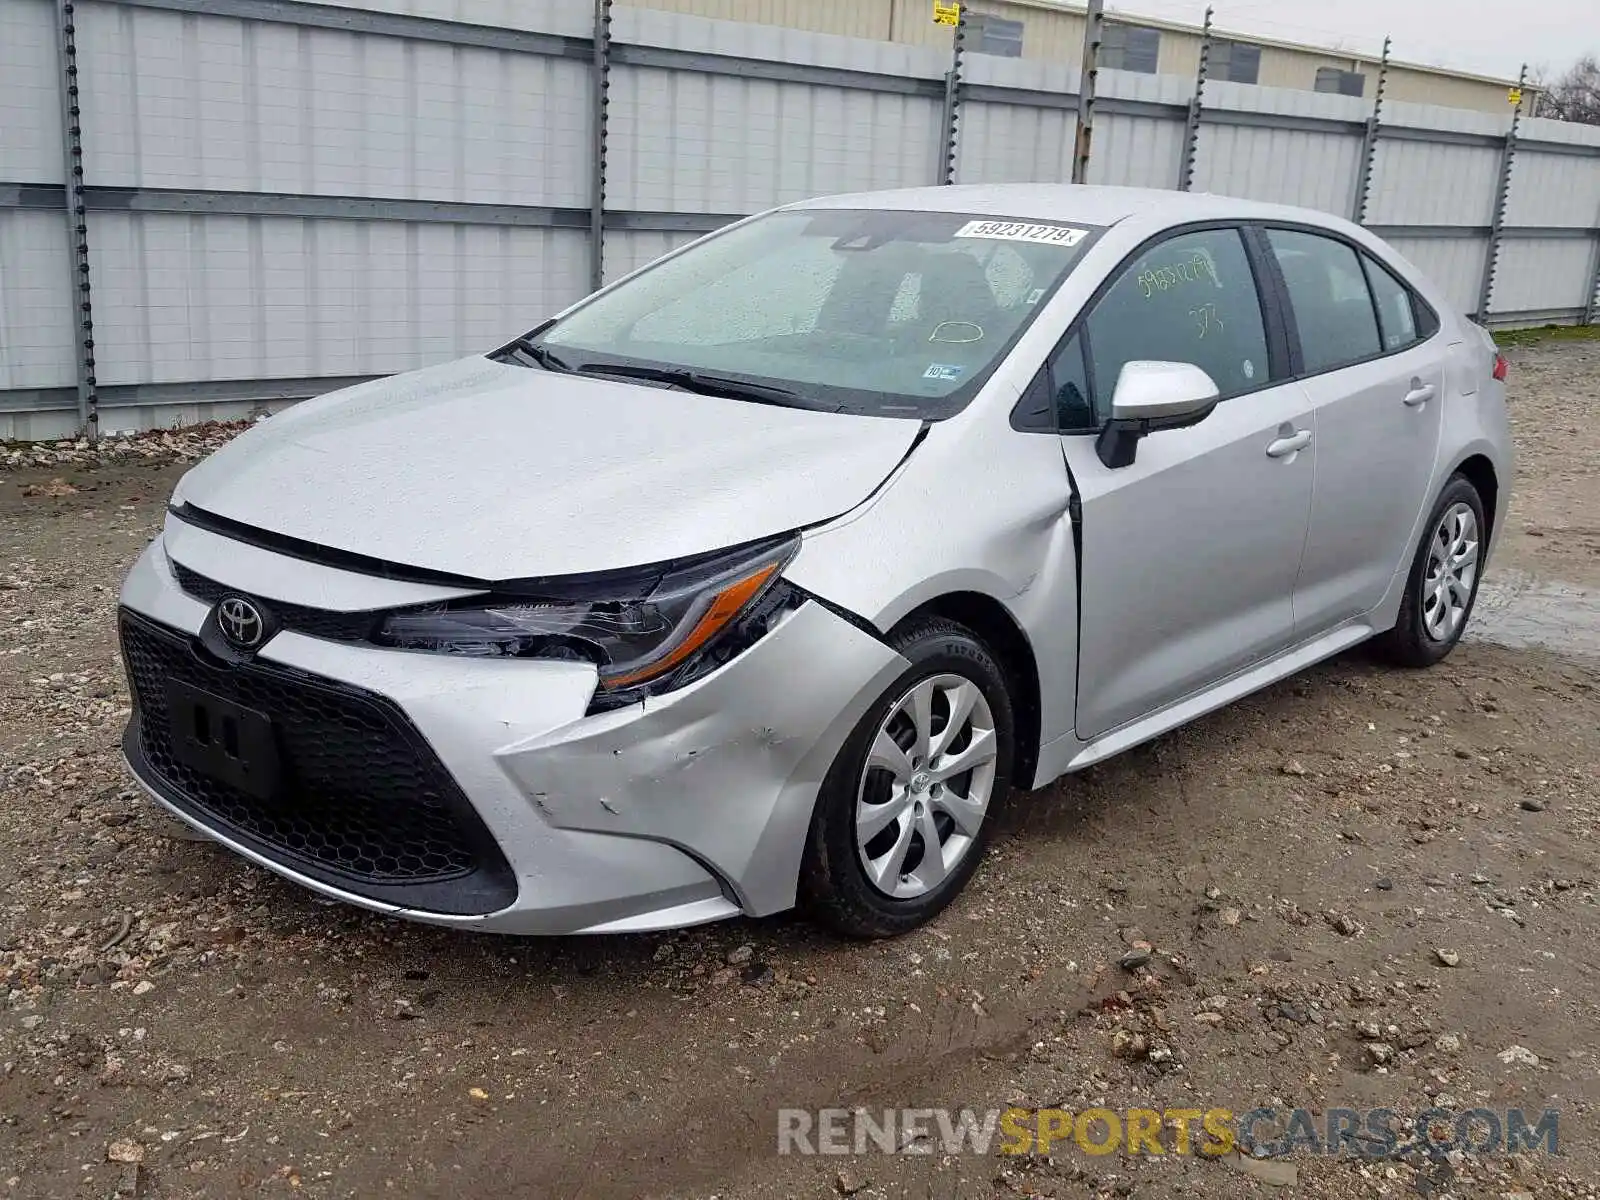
x=643 y=633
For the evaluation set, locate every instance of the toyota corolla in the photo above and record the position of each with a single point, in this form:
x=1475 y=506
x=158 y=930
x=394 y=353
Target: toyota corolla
x=761 y=575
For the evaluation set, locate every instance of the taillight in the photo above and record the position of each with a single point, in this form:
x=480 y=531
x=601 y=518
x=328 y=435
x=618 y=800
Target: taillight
x=1500 y=367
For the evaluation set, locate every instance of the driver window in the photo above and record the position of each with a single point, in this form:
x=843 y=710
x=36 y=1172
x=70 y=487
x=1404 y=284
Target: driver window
x=1189 y=299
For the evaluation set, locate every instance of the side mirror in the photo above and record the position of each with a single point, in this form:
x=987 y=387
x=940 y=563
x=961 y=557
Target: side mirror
x=1152 y=396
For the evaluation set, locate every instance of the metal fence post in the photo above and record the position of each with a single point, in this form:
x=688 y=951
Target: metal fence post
x=597 y=146
x=1502 y=193
x=1369 y=142
x=77 y=216
x=952 y=100
x=1191 y=128
x=1093 y=34
x=1591 y=306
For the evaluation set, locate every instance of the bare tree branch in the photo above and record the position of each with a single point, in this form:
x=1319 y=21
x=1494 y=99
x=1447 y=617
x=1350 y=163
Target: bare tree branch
x=1574 y=96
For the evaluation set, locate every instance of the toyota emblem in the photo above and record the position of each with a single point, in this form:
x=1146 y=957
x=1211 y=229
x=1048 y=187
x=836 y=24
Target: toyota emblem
x=241 y=622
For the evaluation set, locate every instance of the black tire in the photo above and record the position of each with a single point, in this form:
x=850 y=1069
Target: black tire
x=1409 y=644
x=834 y=887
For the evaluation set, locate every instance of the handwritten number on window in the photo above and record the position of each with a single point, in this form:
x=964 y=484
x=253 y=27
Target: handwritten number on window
x=1206 y=319
x=1195 y=269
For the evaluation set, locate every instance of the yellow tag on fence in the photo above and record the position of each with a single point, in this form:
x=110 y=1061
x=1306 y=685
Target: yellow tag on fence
x=946 y=14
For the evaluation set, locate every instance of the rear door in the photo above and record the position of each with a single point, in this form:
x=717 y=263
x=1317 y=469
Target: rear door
x=1369 y=356
x=1189 y=554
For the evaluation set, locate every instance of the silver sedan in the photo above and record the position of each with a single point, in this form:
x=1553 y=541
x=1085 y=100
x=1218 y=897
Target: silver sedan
x=762 y=575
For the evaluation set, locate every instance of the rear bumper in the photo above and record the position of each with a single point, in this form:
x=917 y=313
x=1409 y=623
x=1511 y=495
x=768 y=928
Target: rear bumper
x=684 y=809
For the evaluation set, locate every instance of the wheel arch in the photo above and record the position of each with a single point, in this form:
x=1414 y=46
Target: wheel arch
x=1001 y=632
x=1480 y=473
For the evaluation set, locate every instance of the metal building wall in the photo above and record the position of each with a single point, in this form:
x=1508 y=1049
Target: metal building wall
x=568 y=17
x=189 y=297
x=1556 y=193
x=1138 y=143
x=1544 y=276
x=691 y=142
x=30 y=121
x=180 y=100
x=1054 y=34
x=851 y=18
x=36 y=336
x=1013 y=138
x=1049 y=35
x=283 y=197
x=1306 y=159
x=207 y=103
x=726 y=145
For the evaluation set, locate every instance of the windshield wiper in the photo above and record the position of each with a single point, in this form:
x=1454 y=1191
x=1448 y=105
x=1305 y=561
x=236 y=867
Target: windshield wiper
x=706 y=385
x=539 y=353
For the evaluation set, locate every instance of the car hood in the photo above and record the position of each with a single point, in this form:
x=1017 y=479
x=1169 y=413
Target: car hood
x=494 y=471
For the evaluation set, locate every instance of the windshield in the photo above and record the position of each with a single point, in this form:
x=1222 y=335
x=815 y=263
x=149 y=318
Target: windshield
x=861 y=310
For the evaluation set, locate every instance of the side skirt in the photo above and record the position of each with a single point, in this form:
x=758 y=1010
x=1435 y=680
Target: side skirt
x=1067 y=754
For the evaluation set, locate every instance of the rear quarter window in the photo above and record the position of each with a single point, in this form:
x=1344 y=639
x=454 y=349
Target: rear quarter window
x=1397 y=318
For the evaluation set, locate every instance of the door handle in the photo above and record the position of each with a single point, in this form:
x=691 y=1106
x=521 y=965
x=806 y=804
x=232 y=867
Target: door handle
x=1419 y=394
x=1285 y=446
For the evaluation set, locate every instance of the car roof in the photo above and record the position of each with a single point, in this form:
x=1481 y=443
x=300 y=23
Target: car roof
x=1087 y=203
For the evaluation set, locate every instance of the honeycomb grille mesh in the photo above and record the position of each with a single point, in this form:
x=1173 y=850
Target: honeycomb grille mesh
x=363 y=798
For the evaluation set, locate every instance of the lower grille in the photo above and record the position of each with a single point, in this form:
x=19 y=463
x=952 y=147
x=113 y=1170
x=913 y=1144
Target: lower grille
x=363 y=805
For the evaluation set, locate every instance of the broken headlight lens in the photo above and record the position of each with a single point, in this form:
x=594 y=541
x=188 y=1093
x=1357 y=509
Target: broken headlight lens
x=634 y=640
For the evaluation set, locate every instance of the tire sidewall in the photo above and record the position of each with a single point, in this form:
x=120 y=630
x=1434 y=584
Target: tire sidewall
x=1427 y=648
x=941 y=648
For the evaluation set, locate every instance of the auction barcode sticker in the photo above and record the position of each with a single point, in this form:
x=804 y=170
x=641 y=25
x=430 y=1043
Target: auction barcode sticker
x=1017 y=231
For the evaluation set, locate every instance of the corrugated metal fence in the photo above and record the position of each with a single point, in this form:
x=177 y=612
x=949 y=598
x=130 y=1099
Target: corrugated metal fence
x=210 y=205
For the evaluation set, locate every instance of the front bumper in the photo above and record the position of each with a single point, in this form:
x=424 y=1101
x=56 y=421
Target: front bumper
x=687 y=808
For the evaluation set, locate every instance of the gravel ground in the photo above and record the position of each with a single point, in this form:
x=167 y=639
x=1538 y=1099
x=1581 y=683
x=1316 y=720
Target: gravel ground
x=1303 y=866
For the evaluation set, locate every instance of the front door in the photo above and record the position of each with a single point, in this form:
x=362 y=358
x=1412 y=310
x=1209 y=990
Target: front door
x=1189 y=554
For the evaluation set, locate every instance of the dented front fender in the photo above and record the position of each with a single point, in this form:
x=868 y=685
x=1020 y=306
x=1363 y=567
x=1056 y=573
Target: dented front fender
x=978 y=508
x=726 y=769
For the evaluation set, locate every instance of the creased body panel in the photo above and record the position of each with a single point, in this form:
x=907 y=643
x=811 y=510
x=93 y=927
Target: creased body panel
x=567 y=881
x=728 y=768
x=689 y=807
x=979 y=508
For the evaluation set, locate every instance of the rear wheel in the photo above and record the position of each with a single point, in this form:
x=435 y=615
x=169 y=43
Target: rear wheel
x=1444 y=579
x=900 y=824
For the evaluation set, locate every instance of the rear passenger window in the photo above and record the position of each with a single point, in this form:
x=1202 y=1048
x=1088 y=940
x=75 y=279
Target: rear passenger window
x=1332 y=305
x=1190 y=299
x=1397 y=320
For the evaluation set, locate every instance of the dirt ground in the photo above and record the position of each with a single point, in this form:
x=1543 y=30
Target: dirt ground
x=178 y=1023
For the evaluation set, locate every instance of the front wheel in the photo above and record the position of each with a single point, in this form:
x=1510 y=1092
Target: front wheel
x=1443 y=582
x=900 y=824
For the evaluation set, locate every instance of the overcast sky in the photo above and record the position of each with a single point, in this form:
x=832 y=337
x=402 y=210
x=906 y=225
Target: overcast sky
x=1492 y=37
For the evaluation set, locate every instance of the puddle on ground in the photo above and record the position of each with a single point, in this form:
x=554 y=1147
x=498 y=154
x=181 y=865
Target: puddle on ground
x=1516 y=609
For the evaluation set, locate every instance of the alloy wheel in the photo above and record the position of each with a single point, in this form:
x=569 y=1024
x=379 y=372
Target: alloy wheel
x=926 y=785
x=1452 y=568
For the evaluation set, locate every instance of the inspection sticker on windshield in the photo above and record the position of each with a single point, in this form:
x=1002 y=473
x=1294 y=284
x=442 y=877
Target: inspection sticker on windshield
x=1017 y=231
x=946 y=372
